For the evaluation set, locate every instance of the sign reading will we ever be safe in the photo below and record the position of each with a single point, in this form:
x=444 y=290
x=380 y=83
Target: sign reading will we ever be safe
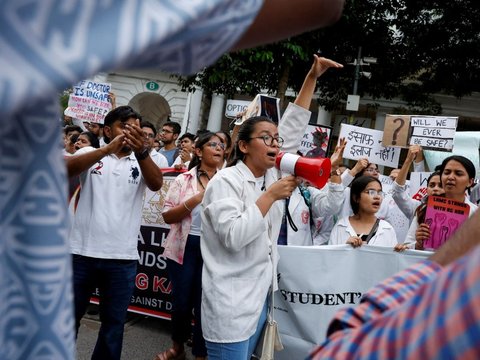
x=430 y=132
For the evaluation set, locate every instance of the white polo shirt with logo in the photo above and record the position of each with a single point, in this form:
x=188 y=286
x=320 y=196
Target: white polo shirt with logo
x=108 y=216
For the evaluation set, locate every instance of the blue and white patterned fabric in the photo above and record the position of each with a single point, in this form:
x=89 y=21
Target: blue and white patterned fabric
x=47 y=45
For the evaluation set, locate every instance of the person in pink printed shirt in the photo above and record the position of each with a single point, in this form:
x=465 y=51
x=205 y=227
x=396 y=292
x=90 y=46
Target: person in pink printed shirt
x=182 y=246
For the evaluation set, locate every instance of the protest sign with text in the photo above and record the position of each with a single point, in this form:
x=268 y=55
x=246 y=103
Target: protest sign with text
x=363 y=142
x=433 y=132
x=430 y=132
x=466 y=143
x=90 y=101
x=314 y=282
x=444 y=216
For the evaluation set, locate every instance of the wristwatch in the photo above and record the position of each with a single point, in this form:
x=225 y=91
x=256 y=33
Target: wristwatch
x=143 y=155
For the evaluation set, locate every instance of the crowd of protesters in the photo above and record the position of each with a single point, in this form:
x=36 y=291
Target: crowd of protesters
x=228 y=211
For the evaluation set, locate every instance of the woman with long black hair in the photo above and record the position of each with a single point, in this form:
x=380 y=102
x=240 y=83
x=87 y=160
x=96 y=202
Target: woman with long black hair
x=182 y=246
x=457 y=174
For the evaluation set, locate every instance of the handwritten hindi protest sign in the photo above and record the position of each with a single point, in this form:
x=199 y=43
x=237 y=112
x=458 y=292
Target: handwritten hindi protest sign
x=362 y=142
x=444 y=216
x=90 y=101
x=433 y=132
x=315 y=141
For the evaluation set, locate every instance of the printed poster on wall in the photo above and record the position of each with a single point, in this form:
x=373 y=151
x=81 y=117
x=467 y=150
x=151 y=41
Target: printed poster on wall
x=367 y=143
x=444 y=216
x=316 y=141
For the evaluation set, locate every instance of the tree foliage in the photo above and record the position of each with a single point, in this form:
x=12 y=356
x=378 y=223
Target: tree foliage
x=422 y=48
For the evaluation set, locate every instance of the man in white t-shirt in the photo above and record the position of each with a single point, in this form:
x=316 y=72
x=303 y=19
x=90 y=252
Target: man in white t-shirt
x=103 y=236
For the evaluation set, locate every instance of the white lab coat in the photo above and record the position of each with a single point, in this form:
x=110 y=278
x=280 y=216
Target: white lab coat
x=324 y=202
x=239 y=245
x=388 y=211
x=385 y=235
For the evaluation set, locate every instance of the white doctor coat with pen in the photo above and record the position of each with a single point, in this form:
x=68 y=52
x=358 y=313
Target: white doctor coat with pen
x=239 y=245
x=384 y=236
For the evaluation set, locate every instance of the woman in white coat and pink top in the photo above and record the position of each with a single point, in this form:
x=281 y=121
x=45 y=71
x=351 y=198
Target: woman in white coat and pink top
x=364 y=227
x=182 y=246
x=240 y=226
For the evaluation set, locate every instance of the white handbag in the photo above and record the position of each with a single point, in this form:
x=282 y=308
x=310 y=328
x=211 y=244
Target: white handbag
x=269 y=341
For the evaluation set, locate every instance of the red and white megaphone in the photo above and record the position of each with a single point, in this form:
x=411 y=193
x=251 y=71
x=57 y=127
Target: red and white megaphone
x=315 y=170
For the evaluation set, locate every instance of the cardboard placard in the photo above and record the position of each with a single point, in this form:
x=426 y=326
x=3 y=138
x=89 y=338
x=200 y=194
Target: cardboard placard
x=396 y=131
x=430 y=132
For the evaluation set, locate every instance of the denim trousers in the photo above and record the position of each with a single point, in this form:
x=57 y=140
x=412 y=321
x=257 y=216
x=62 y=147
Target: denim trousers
x=241 y=350
x=186 y=281
x=115 y=280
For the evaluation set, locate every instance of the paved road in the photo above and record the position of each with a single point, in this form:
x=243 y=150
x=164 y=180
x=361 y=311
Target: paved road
x=144 y=337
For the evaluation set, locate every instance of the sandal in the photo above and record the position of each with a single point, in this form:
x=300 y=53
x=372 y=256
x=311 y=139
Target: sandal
x=170 y=354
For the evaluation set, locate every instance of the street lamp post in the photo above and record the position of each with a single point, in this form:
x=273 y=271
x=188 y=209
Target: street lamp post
x=353 y=100
x=357 y=70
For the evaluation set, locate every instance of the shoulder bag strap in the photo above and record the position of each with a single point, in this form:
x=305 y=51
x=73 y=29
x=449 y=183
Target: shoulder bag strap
x=373 y=231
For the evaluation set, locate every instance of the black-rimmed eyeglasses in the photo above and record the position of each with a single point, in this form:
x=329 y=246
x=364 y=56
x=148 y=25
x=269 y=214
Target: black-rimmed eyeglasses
x=268 y=140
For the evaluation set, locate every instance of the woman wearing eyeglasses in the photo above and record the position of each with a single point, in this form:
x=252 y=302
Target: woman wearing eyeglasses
x=457 y=174
x=240 y=226
x=182 y=246
x=364 y=227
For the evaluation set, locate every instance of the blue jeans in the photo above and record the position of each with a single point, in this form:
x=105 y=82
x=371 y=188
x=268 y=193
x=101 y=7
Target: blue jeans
x=187 y=296
x=242 y=350
x=116 y=282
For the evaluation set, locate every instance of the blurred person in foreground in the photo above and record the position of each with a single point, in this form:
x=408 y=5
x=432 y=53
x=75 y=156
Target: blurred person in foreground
x=35 y=67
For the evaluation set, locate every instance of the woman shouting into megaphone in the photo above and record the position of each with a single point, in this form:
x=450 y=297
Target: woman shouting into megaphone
x=241 y=223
